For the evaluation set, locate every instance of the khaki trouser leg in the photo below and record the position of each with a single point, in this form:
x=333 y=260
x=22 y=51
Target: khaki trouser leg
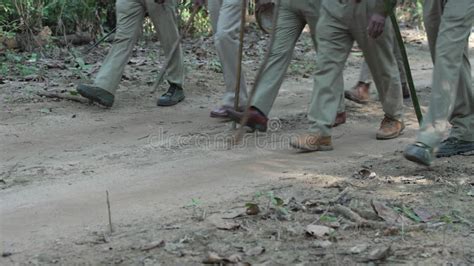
x=289 y=27
x=163 y=17
x=340 y=24
x=380 y=57
x=334 y=45
x=366 y=77
x=400 y=64
x=214 y=8
x=452 y=96
x=226 y=24
x=293 y=16
x=130 y=14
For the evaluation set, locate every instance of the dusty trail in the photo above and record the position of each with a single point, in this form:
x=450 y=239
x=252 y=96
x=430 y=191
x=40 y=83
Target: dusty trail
x=58 y=158
x=78 y=159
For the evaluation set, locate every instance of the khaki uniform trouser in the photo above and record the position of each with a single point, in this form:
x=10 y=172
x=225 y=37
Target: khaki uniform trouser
x=448 y=25
x=366 y=77
x=293 y=16
x=225 y=19
x=130 y=16
x=340 y=24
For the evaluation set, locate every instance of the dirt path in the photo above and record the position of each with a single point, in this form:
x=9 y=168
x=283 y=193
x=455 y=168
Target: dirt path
x=59 y=158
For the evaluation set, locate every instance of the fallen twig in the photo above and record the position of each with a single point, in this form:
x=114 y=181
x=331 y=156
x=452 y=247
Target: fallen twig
x=62 y=96
x=340 y=195
x=153 y=245
x=108 y=210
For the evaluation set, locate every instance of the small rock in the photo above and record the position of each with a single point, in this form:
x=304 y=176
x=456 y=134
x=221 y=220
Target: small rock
x=318 y=230
x=255 y=251
x=379 y=253
x=234 y=213
x=6 y=254
x=153 y=245
x=359 y=249
x=322 y=244
x=425 y=255
x=235 y=258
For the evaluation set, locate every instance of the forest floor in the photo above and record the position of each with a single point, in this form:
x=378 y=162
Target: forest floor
x=179 y=194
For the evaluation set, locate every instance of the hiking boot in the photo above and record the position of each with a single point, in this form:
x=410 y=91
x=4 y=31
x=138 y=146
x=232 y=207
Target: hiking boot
x=340 y=119
x=359 y=93
x=312 y=142
x=173 y=96
x=390 y=129
x=453 y=146
x=419 y=153
x=405 y=91
x=256 y=119
x=96 y=94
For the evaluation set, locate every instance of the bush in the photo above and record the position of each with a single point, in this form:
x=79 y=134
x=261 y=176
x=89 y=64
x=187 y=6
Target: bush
x=62 y=16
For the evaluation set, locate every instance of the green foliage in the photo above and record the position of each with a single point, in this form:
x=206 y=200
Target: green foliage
x=13 y=64
x=67 y=16
x=201 y=23
x=408 y=212
x=273 y=203
x=62 y=16
x=411 y=11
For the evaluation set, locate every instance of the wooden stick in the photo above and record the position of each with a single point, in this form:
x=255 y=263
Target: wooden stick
x=108 y=210
x=99 y=41
x=173 y=50
x=245 y=118
x=241 y=54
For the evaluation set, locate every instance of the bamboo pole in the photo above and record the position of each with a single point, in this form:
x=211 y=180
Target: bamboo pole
x=406 y=62
x=241 y=54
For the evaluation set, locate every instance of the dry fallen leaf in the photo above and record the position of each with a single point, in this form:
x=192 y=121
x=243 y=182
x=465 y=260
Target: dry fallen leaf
x=424 y=214
x=252 y=209
x=388 y=214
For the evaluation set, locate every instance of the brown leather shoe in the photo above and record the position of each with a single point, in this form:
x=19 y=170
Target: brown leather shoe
x=256 y=119
x=405 y=91
x=340 y=119
x=312 y=142
x=390 y=129
x=359 y=93
x=221 y=112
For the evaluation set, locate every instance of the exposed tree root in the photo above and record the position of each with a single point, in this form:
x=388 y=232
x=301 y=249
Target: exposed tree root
x=360 y=222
